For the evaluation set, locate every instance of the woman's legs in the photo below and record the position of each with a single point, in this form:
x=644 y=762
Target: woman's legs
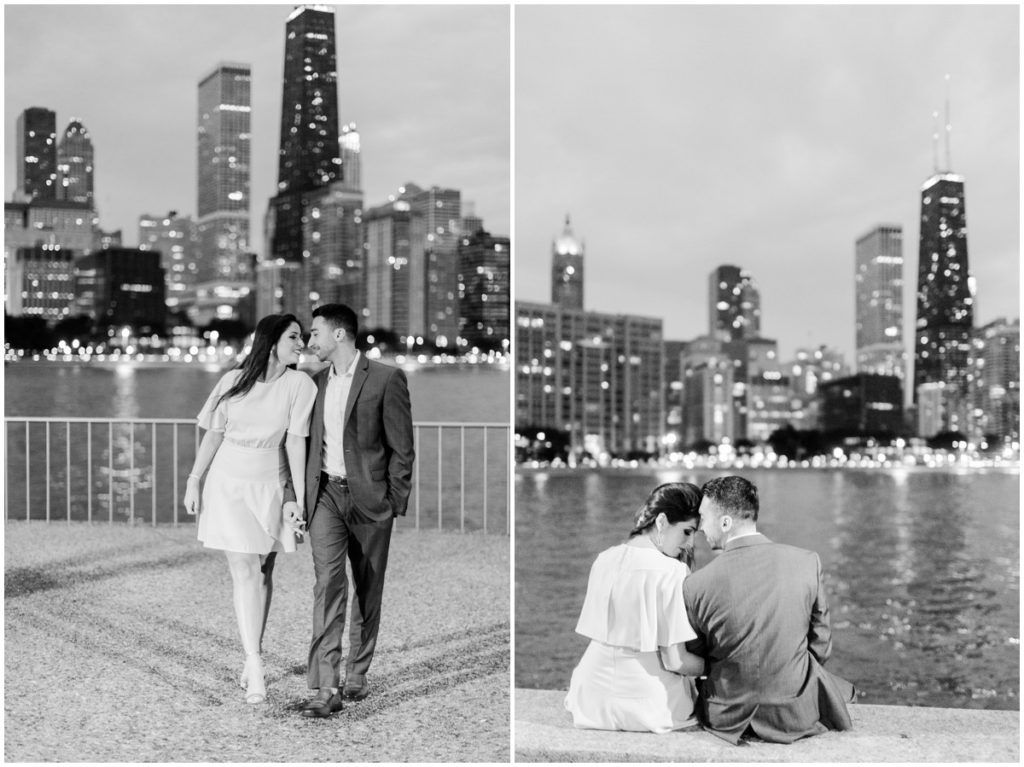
x=247 y=582
x=267 y=589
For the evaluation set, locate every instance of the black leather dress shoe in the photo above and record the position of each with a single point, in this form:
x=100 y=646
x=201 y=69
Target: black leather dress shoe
x=355 y=692
x=323 y=704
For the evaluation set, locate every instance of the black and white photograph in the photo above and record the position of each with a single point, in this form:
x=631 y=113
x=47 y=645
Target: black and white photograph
x=767 y=375
x=257 y=383
x=502 y=381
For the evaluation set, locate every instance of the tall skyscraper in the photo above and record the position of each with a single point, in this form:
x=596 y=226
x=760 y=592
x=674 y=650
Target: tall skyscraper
x=945 y=299
x=391 y=301
x=567 y=270
x=943 y=350
x=734 y=304
x=223 y=174
x=879 y=302
x=313 y=224
x=1000 y=379
x=309 y=155
x=36 y=139
x=175 y=238
x=484 y=280
x=75 y=165
x=437 y=228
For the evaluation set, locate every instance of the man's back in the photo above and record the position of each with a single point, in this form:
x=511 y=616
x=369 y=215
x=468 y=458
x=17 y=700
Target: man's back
x=761 y=615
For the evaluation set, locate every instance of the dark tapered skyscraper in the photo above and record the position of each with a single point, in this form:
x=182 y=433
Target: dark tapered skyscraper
x=945 y=299
x=36 y=137
x=309 y=156
x=314 y=223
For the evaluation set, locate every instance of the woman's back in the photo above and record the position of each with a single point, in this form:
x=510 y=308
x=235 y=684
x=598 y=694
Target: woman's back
x=635 y=599
x=633 y=606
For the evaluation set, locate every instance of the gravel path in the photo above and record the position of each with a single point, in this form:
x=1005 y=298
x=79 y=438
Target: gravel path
x=121 y=645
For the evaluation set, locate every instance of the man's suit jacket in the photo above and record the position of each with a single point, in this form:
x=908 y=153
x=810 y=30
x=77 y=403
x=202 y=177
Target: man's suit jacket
x=377 y=440
x=762 y=622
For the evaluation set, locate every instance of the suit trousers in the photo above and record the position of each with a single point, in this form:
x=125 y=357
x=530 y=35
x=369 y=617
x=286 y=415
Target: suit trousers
x=339 y=531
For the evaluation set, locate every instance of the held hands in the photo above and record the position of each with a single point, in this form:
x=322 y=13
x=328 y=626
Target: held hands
x=192 y=495
x=295 y=518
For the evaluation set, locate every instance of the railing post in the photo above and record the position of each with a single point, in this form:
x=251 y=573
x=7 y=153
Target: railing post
x=440 y=525
x=174 y=478
x=28 y=476
x=7 y=484
x=131 y=472
x=416 y=470
x=484 y=474
x=152 y=478
x=47 y=471
x=462 y=479
x=67 y=467
x=110 y=472
x=88 y=470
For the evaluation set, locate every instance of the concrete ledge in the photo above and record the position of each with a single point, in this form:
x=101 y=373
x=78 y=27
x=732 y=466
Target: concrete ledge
x=544 y=733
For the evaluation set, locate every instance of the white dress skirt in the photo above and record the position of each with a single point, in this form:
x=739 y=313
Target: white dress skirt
x=617 y=688
x=242 y=502
x=633 y=606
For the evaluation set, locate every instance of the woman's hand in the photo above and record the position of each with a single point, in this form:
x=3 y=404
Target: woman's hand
x=678 y=660
x=294 y=517
x=192 y=495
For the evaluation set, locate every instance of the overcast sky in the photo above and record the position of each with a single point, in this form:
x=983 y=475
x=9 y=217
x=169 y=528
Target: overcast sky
x=427 y=86
x=680 y=138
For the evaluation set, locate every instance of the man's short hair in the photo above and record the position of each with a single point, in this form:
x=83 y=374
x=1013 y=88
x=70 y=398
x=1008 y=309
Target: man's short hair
x=733 y=495
x=339 y=316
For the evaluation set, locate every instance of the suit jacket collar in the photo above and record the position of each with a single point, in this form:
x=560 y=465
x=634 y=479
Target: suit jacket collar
x=358 y=379
x=747 y=540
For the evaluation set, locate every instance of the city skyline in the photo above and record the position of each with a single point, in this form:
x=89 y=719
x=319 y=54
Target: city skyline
x=399 y=109
x=770 y=138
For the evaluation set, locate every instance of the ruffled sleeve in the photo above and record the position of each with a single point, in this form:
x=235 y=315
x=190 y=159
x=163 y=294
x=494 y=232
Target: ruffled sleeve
x=635 y=600
x=301 y=405
x=213 y=416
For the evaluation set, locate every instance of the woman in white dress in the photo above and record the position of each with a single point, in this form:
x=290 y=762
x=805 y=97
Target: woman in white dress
x=256 y=421
x=631 y=676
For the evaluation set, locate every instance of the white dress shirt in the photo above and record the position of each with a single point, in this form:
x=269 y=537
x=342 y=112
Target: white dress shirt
x=338 y=387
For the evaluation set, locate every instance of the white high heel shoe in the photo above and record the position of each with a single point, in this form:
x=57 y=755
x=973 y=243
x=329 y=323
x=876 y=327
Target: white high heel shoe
x=255 y=683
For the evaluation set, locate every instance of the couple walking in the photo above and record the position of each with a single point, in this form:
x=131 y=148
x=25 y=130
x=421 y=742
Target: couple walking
x=285 y=453
x=736 y=646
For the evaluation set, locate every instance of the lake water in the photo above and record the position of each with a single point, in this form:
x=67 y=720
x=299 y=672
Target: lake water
x=461 y=475
x=922 y=571
x=442 y=393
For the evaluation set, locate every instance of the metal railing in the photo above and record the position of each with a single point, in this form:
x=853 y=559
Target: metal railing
x=134 y=470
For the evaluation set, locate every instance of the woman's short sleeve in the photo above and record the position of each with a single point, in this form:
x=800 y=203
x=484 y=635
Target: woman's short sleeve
x=213 y=416
x=301 y=408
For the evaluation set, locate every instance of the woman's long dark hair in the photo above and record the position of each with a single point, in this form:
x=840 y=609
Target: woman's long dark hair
x=268 y=332
x=679 y=501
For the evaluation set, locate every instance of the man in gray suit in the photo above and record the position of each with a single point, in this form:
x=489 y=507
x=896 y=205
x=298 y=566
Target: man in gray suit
x=761 y=617
x=358 y=477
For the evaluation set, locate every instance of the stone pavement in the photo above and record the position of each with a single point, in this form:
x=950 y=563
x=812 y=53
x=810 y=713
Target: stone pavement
x=544 y=733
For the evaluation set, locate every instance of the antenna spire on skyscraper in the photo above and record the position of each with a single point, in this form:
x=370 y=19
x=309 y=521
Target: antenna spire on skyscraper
x=949 y=130
x=935 y=142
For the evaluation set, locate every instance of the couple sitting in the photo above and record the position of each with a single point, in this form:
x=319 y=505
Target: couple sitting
x=737 y=646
